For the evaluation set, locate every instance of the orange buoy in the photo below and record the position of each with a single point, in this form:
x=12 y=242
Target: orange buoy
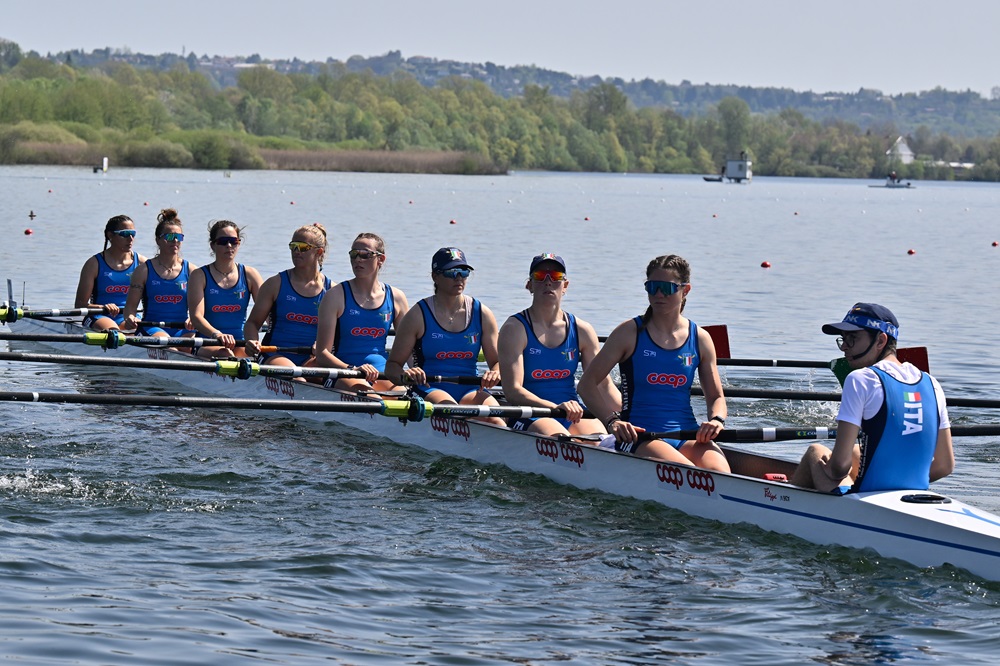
x=995 y=243
x=453 y=222
x=911 y=251
x=765 y=264
x=586 y=219
x=28 y=232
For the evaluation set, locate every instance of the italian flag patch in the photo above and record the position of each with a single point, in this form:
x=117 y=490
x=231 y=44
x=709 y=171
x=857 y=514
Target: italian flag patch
x=911 y=397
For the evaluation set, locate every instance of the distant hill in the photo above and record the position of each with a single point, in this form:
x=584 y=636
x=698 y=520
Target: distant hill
x=958 y=114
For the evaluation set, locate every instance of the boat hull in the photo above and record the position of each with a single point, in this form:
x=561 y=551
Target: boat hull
x=942 y=531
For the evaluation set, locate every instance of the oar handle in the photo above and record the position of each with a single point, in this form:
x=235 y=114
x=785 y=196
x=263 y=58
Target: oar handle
x=164 y=324
x=749 y=434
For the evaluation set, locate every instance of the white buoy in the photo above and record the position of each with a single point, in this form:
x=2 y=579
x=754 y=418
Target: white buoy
x=104 y=164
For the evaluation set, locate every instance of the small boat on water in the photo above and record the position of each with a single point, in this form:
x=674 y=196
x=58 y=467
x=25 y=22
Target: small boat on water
x=920 y=527
x=735 y=170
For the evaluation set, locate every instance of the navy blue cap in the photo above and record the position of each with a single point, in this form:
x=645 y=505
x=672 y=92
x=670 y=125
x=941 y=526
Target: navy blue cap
x=448 y=257
x=866 y=316
x=547 y=256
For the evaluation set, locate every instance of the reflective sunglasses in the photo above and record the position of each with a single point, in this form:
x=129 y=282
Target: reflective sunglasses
x=227 y=240
x=125 y=233
x=364 y=254
x=301 y=246
x=172 y=236
x=668 y=288
x=455 y=273
x=550 y=274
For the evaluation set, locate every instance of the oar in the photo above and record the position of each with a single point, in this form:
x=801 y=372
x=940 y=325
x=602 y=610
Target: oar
x=114 y=339
x=731 y=392
x=164 y=324
x=239 y=368
x=10 y=315
x=810 y=433
x=413 y=410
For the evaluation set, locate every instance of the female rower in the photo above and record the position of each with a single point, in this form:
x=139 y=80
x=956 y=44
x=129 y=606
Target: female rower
x=443 y=336
x=356 y=315
x=657 y=355
x=219 y=293
x=290 y=300
x=105 y=277
x=161 y=284
x=540 y=350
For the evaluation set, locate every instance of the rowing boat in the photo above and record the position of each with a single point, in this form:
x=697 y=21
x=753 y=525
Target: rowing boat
x=923 y=528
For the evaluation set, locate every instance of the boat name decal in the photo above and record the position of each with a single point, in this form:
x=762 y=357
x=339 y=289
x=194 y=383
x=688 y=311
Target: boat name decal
x=552 y=450
x=666 y=378
x=158 y=354
x=768 y=495
x=279 y=386
x=455 y=427
x=669 y=474
x=697 y=479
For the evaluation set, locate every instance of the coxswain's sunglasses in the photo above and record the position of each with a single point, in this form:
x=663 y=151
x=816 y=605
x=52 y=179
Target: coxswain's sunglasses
x=301 y=246
x=455 y=273
x=668 y=288
x=124 y=233
x=553 y=275
x=227 y=240
x=172 y=236
x=364 y=254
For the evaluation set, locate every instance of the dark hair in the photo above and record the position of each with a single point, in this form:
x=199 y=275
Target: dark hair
x=668 y=262
x=114 y=224
x=367 y=235
x=167 y=216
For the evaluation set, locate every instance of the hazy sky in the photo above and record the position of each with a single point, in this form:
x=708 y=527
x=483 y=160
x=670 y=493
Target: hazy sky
x=841 y=45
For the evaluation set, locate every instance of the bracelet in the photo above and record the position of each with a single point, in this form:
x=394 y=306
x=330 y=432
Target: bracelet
x=719 y=419
x=615 y=416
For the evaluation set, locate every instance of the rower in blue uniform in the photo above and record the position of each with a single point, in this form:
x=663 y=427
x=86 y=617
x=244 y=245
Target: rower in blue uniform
x=893 y=431
x=540 y=350
x=658 y=355
x=356 y=315
x=161 y=283
x=219 y=294
x=290 y=301
x=443 y=336
x=105 y=277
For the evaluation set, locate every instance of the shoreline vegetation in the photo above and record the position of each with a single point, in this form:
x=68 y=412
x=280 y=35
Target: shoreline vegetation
x=366 y=161
x=52 y=112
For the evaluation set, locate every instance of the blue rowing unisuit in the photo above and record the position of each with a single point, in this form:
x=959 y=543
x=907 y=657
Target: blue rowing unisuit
x=441 y=352
x=361 y=334
x=165 y=300
x=294 y=319
x=226 y=309
x=111 y=286
x=656 y=383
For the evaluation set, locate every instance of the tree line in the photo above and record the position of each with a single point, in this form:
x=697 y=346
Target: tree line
x=57 y=112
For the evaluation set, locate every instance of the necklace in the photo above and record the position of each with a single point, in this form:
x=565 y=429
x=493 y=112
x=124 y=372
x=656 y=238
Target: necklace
x=451 y=315
x=167 y=270
x=225 y=276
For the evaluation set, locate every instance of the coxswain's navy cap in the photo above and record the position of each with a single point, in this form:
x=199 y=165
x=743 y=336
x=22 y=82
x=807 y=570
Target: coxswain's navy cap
x=547 y=256
x=866 y=315
x=448 y=257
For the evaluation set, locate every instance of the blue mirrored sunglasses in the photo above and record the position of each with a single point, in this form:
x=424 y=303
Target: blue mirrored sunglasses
x=125 y=233
x=454 y=273
x=668 y=288
x=172 y=236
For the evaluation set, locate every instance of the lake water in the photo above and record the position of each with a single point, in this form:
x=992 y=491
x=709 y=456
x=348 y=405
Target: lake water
x=190 y=536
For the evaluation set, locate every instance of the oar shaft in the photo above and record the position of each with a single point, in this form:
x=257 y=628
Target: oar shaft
x=810 y=433
x=374 y=406
x=833 y=397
